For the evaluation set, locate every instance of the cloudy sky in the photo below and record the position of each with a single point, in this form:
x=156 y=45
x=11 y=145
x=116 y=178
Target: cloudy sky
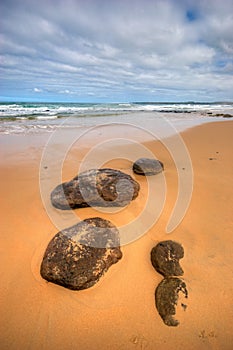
x=116 y=50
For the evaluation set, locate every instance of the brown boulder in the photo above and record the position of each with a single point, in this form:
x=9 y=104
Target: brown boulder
x=147 y=166
x=167 y=295
x=165 y=258
x=97 y=187
x=78 y=256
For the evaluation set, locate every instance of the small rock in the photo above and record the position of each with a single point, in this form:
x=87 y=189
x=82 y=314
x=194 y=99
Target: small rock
x=165 y=258
x=147 y=166
x=78 y=256
x=97 y=187
x=166 y=299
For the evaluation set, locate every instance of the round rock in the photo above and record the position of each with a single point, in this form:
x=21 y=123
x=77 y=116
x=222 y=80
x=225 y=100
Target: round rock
x=96 y=187
x=147 y=166
x=78 y=256
x=167 y=295
x=165 y=258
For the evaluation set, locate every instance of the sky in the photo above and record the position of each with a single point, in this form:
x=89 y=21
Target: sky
x=116 y=50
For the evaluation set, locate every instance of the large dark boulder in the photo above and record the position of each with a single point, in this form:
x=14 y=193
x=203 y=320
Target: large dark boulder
x=147 y=166
x=97 y=187
x=167 y=296
x=165 y=258
x=78 y=256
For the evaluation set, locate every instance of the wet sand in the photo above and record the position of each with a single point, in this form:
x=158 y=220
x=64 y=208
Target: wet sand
x=118 y=312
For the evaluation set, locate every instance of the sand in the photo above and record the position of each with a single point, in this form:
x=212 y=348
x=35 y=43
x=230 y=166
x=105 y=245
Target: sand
x=119 y=312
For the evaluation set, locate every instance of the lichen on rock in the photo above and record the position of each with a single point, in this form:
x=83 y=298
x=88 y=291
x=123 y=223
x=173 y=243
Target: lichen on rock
x=167 y=296
x=78 y=256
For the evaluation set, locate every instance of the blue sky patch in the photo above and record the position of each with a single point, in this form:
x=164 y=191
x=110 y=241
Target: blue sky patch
x=191 y=15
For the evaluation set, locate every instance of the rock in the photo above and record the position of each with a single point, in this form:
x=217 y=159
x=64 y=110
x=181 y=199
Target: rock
x=167 y=295
x=146 y=166
x=224 y=115
x=165 y=258
x=78 y=256
x=97 y=187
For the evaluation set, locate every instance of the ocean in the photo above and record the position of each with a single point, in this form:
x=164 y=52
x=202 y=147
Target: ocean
x=27 y=117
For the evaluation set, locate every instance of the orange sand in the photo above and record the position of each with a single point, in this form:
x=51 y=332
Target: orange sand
x=119 y=312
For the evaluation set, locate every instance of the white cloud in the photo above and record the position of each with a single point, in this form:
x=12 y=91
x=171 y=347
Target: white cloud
x=66 y=91
x=121 y=49
x=37 y=90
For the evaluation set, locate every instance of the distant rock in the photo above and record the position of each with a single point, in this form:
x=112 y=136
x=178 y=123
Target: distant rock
x=165 y=258
x=224 y=115
x=167 y=295
x=78 y=256
x=147 y=166
x=97 y=187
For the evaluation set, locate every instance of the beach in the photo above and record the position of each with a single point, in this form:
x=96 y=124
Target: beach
x=119 y=311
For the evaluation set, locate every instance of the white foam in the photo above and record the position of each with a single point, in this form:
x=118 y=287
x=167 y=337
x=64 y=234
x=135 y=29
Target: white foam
x=38 y=117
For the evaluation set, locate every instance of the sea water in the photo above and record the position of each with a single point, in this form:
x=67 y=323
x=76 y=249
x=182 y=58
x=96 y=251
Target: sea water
x=22 y=117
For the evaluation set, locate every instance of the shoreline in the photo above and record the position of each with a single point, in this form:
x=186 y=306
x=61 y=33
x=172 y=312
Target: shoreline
x=154 y=120
x=119 y=311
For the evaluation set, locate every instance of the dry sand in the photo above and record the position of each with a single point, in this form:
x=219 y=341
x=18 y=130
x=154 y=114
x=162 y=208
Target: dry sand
x=119 y=312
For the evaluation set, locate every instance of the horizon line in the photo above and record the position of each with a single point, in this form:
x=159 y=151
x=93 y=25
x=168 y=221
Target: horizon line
x=118 y=102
